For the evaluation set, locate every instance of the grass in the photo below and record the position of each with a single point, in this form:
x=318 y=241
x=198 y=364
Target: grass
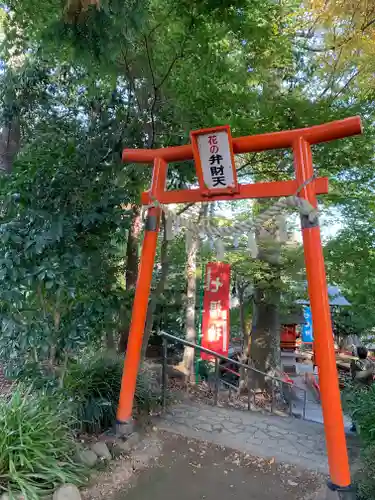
x=93 y=387
x=366 y=476
x=36 y=446
x=37 y=424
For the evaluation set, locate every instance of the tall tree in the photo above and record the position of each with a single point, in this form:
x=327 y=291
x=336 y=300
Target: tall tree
x=111 y=74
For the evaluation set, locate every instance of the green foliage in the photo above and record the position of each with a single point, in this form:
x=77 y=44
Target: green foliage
x=346 y=322
x=366 y=482
x=36 y=446
x=89 y=388
x=87 y=83
x=59 y=228
x=360 y=402
x=63 y=221
x=353 y=246
x=92 y=387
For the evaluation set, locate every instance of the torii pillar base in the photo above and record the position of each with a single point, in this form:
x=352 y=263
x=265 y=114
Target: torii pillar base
x=334 y=492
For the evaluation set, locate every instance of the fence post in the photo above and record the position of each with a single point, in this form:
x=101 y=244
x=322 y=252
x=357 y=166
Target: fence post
x=216 y=393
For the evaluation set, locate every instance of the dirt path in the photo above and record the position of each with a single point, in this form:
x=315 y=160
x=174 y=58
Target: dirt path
x=188 y=469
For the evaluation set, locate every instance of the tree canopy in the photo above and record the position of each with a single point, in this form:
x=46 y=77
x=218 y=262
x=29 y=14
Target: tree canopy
x=83 y=79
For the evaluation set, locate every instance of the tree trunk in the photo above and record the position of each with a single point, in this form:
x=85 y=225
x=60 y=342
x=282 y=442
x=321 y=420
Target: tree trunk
x=131 y=268
x=164 y=263
x=243 y=326
x=191 y=333
x=53 y=353
x=191 y=298
x=245 y=337
x=110 y=341
x=10 y=143
x=132 y=253
x=265 y=335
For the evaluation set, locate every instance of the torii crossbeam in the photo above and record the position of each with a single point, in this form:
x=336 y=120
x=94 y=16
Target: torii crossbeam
x=222 y=185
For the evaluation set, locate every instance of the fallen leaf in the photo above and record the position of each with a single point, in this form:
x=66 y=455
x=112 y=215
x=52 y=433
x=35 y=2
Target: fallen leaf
x=292 y=483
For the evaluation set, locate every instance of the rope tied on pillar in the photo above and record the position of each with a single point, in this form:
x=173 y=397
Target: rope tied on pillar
x=215 y=234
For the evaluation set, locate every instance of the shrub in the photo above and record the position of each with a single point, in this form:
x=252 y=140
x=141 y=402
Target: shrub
x=34 y=374
x=93 y=387
x=360 y=402
x=148 y=391
x=36 y=446
x=366 y=476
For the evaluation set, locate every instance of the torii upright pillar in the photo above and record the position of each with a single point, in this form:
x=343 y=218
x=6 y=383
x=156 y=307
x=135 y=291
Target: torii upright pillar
x=300 y=141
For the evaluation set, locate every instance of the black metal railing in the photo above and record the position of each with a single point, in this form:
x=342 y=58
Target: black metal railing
x=291 y=394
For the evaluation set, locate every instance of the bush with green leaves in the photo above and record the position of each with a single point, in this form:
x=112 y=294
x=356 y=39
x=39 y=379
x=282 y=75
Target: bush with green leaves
x=92 y=386
x=36 y=446
x=61 y=224
x=360 y=403
x=366 y=475
x=90 y=389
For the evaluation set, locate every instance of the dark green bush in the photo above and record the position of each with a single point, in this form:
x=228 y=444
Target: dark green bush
x=90 y=388
x=360 y=403
x=34 y=374
x=36 y=446
x=148 y=391
x=93 y=387
x=366 y=476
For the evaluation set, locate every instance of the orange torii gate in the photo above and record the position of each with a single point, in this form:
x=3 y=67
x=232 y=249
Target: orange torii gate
x=213 y=151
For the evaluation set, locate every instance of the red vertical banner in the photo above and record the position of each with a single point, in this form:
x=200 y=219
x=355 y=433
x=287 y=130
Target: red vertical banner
x=215 y=317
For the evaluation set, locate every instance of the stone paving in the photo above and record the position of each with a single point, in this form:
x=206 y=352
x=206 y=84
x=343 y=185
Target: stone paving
x=313 y=410
x=288 y=440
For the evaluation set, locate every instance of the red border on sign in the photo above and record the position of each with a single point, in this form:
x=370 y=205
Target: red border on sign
x=205 y=191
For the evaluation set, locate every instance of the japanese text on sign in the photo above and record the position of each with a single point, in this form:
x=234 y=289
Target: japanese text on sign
x=215 y=318
x=307 y=328
x=216 y=160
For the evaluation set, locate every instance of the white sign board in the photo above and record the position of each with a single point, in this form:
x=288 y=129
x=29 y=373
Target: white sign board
x=216 y=160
